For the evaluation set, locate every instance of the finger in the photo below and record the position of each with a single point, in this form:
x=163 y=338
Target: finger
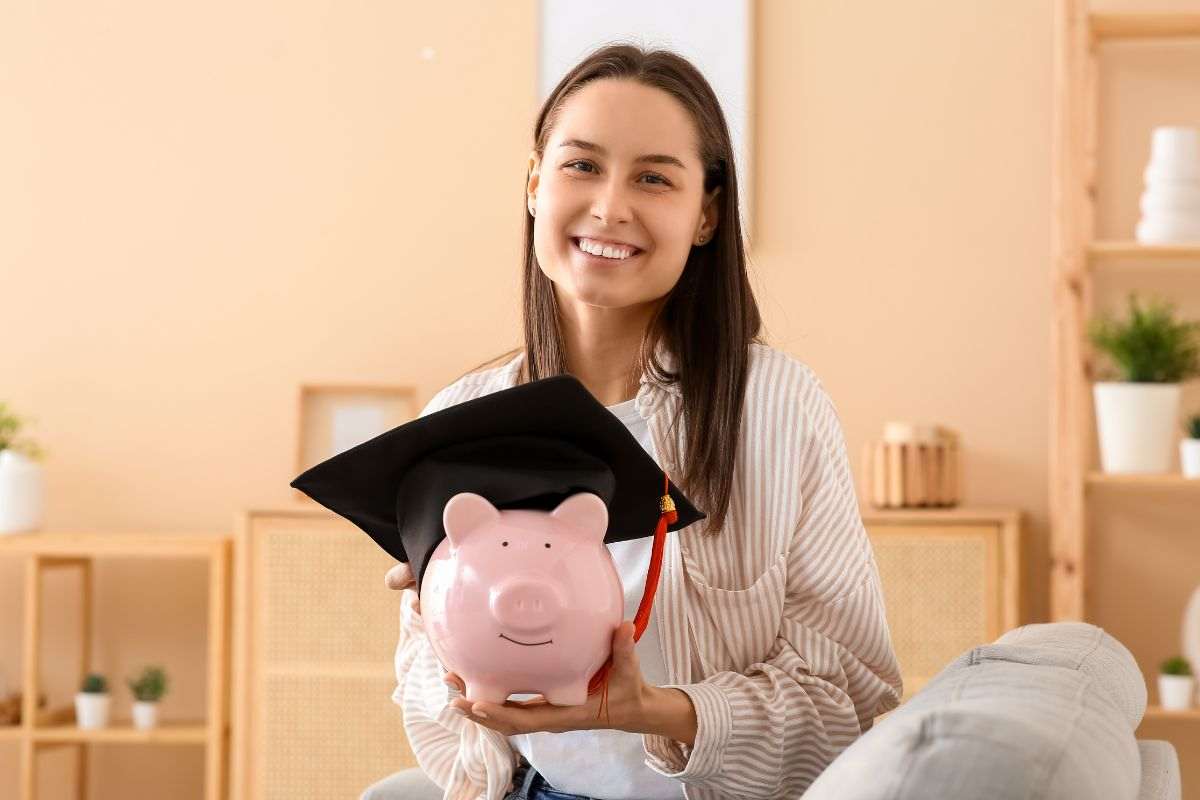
x=452 y=679
x=399 y=577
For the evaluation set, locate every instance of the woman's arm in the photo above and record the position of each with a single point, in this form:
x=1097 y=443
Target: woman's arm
x=769 y=731
x=465 y=759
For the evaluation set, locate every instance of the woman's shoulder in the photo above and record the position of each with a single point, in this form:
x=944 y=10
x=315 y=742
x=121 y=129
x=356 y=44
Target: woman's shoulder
x=475 y=384
x=780 y=377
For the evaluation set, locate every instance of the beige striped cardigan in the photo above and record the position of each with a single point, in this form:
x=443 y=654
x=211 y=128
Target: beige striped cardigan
x=774 y=628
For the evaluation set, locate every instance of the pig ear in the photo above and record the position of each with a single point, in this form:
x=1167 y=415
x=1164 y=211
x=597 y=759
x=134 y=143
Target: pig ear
x=464 y=513
x=586 y=512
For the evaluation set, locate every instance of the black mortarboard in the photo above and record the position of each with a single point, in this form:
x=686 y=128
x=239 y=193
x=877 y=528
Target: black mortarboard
x=529 y=446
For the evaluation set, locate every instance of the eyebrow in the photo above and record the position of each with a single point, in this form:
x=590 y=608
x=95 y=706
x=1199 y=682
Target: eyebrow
x=656 y=158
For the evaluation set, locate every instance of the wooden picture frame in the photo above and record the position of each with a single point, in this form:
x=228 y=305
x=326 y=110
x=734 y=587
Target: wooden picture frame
x=332 y=417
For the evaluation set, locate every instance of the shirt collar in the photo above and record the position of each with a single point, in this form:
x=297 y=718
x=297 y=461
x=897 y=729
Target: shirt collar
x=649 y=390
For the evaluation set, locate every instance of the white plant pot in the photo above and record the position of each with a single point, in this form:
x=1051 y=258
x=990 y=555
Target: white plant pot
x=145 y=715
x=91 y=709
x=1189 y=457
x=22 y=493
x=1175 y=691
x=1137 y=424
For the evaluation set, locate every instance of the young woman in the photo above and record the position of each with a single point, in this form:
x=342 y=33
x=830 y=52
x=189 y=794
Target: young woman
x=768 y=650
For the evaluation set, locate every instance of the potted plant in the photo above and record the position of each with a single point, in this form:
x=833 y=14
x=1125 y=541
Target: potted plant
x=22 y=484
x=91 y=702
x=147 y=690
x=1175 y=682
x=1137 y=413
x=1189 y=449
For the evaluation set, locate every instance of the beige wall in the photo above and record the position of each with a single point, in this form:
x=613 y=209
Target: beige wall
x=216 y=202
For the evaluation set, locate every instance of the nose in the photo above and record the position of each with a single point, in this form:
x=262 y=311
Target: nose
x=524 y=604
x=610 y=205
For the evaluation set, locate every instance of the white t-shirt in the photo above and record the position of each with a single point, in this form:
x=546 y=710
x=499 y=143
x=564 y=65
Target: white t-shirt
x=605 y=763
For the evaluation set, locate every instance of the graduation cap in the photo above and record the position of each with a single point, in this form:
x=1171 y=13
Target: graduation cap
x=530 y=446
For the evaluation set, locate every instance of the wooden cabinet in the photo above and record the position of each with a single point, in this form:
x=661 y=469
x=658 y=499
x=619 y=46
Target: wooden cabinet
x=951 y=581
x=315 y=638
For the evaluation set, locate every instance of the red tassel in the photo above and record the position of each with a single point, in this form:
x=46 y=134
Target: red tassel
x=667 y=516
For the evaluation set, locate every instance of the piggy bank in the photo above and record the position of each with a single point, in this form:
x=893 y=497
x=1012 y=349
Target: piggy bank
x=519 y=600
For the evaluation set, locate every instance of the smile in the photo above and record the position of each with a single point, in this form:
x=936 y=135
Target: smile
x=603 y=259
x=526 y=644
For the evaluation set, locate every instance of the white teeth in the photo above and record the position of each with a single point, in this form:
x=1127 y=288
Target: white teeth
x=607 y=251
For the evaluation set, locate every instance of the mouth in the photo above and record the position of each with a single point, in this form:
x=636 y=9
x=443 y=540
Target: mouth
x=527 y=644
x=637 y=253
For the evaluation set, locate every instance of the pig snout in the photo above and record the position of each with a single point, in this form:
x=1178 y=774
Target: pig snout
x=524 y=604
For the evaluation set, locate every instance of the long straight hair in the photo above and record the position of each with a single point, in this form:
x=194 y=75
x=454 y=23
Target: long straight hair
x=709 y=318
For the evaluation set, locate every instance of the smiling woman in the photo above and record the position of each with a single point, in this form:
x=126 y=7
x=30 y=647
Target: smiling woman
x=767 y=650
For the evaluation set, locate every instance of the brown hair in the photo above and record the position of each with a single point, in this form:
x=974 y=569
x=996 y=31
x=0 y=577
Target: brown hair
x=709 y=318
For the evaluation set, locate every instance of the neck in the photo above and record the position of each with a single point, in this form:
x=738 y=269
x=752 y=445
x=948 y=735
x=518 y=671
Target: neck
x=602 y=348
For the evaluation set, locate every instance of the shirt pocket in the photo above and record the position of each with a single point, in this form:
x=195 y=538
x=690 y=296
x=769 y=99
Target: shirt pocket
x=734 y=628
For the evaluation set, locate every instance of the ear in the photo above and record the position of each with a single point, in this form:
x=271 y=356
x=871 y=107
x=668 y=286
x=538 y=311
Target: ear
x=585 y=512
x=710 y=214
x=464 y=513
x=533 y=174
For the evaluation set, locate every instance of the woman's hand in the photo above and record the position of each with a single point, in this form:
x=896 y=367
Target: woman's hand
x=629 y=700
x=400 y=577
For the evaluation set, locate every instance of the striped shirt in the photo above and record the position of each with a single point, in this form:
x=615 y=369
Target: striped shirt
x=774 y=628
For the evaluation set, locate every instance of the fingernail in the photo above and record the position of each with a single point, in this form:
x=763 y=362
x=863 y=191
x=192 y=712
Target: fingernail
x=480 y=714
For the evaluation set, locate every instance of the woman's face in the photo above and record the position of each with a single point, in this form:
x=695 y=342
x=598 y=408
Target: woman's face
x=595 y=184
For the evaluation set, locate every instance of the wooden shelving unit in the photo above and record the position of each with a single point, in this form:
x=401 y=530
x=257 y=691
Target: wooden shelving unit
x=42 y=730
x=1077 y=257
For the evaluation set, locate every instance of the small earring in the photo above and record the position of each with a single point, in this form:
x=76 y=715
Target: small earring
x=702 y=240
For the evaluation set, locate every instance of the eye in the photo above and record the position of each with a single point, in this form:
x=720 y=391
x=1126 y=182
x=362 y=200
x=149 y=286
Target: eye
x=505 y=544
x=547 y=545
x=665 y=182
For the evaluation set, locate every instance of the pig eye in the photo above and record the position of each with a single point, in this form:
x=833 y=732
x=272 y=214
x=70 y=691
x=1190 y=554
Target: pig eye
x=505 y=544
x=547 y=545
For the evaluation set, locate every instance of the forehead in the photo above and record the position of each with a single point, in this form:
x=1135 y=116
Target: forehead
x=628 y=119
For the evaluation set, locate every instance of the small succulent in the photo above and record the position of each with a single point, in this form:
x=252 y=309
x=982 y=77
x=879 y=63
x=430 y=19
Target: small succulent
x=1176 y=665
x=1151 y=346
x=1193 y=427
x=94 y=683
x=150 y=686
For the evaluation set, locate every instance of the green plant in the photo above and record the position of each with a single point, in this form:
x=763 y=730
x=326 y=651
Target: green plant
x=10 y=426
x=1176 y=665
x=150 y=686
x=1151 y=346
x=94 y=683
x=1193 y=427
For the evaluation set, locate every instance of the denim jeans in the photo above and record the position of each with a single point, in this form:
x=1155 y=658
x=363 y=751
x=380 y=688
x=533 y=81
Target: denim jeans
x=528 y=784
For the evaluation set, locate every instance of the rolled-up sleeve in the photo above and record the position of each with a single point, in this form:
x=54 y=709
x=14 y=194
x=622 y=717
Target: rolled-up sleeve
x=770 y=730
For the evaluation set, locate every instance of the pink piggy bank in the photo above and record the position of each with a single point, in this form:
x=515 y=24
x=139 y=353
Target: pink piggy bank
x=520 y=600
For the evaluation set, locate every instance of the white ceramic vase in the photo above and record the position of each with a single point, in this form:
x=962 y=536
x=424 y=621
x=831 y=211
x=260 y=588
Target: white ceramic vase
x=1189 y=457
x=1175 y=691
x=145 y=715
x=91 y=709
x=1137 y=425
x=1170 y=213
x=22 y=493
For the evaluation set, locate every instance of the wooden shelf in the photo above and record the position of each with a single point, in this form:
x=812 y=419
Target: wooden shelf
x=44 y=552
x=1105 y=252
x=1143 y=26
x=123 y=732
x=1164 y=481
x=1158 y=712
